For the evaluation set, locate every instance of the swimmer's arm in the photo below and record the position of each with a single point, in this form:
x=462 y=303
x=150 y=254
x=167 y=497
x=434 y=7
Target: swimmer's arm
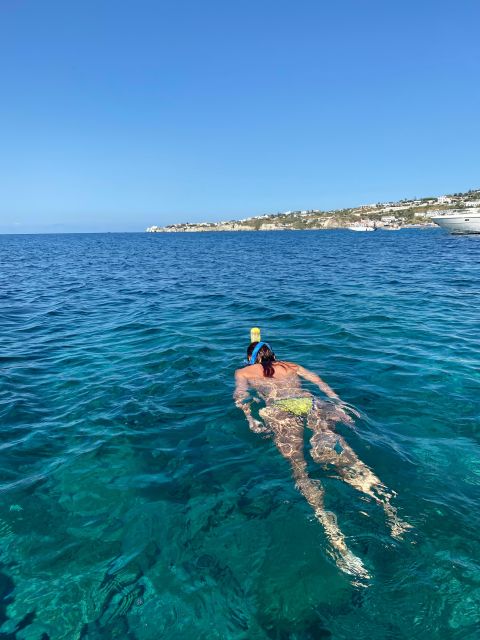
x=312 y=377
x=328 y=391
x=241 y=394
x=241 y=398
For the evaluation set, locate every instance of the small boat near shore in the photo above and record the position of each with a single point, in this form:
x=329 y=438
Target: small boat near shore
x=361 y=227
x=459 y=220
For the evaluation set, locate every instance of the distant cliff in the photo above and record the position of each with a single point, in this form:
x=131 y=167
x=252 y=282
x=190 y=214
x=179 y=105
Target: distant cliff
x=387 y=215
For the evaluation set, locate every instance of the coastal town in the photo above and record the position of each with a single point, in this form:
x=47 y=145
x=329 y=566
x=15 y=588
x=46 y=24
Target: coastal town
x=390 y=216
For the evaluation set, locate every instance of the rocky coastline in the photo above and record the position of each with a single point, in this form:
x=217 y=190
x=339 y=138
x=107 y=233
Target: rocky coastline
x=390 y=216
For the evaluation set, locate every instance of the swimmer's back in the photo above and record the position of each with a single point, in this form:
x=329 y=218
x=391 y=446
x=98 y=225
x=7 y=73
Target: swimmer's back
x=282 y=370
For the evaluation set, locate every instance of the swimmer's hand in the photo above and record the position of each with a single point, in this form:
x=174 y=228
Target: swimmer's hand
x=346 y=417
x=256 y=426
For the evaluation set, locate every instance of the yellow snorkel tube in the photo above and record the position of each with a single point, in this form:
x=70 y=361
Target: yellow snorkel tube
x=255 y=335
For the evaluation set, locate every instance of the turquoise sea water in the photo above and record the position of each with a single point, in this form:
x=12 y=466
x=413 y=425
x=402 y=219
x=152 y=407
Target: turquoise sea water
x=134 y=501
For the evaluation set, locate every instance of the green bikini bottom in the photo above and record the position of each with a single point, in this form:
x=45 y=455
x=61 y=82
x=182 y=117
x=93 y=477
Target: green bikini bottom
x=297 y=406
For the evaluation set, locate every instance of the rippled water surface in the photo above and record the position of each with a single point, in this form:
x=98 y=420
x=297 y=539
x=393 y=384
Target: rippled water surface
x=134 y=501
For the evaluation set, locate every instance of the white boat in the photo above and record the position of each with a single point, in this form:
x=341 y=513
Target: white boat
x=459 y=220
x=360 y=227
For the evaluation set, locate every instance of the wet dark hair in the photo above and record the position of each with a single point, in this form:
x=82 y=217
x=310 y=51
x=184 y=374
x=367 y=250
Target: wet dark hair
x=265 y=357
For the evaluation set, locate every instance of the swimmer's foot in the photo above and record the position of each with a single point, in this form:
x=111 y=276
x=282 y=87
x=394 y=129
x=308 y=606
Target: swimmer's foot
x=352 y=565
x=398 y=527
x=345 y=560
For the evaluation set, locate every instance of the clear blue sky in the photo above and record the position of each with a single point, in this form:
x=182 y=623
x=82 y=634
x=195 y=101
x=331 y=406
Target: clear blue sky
x=115 y=115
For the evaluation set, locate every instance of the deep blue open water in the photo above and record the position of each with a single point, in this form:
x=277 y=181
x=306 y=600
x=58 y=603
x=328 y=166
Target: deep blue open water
x=135 y=503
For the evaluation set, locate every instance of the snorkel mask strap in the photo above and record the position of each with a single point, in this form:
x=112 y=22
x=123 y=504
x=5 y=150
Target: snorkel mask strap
x=254 y=355
x=255 y=337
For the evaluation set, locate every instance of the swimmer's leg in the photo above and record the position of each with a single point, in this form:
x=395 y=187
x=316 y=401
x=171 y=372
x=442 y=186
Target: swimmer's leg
x=288 y=435
x=329 y=448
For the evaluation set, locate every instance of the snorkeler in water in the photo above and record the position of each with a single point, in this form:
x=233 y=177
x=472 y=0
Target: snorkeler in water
x=287 y=408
